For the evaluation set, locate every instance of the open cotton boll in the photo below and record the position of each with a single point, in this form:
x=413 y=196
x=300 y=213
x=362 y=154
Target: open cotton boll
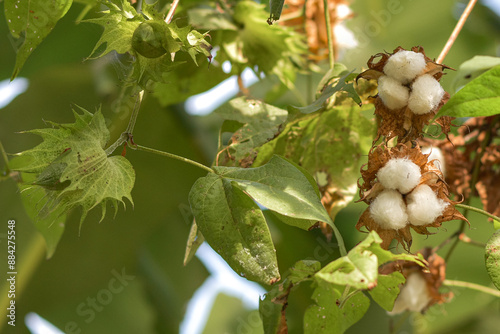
x=414 y=295
x=400 y=174
x=437 y=158
x=404 y=65
x=424 y=206
x=389 y=210
x=392 y=92
x=425 y=95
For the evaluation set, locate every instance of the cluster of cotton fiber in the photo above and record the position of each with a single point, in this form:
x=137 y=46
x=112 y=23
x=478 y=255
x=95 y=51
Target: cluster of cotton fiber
x=404 y=84
x=403 y=201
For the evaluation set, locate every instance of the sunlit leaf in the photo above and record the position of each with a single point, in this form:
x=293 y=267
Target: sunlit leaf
x=480 y=97
x=472 y=68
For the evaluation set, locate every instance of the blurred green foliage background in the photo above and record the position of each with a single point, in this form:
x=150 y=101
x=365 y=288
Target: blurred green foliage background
x=147 y=241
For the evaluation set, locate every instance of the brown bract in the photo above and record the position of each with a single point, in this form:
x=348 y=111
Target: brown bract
x=403 y=123
x=370 y=188
x=434 y=274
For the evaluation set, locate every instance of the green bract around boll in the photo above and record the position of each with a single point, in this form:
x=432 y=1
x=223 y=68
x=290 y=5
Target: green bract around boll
x=148 y=40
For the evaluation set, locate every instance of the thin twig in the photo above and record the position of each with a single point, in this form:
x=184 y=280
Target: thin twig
x=456 y=31
x=464 y=238
x=173 y=156
x=471 y=208
x=473 y=286
x=171 y=12
x=329 y=34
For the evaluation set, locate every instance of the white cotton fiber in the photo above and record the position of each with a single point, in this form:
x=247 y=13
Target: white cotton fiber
x=389 y=210
x=392 y=92
x=425 y=95
x=404 y=65
x=424 y=206
x=400 y=174
x=437 y=158
x=414 y=295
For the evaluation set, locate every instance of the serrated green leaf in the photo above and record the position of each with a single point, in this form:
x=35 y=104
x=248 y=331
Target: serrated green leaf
x=262 y=122
x=35 y=201
x=480 y=97
x=74 y=155
x=32 y=21
x=472 y=68
x=359 y=269
x=327 y=317
x=387 y=289
x=492 y=258
x=330 y=90
x=235 y=227
x=280 y=187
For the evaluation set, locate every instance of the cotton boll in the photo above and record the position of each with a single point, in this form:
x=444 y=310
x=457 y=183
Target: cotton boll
x=389 y=210
x=392 y=92
x=424 y=206
x=414 y=295
x=437 y=158
x=404 y=65
x=425 y=95
x=400 y=174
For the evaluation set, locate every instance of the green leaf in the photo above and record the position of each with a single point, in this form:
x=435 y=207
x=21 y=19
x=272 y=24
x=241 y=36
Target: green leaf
x=480 y=97
x=235 y=227
x=211 y=19
x=327 y=317
x=472 y=68
x=273 y=49
x=73 y=168
x=359 y=269
x=31 y=21
x=309 y=141
x=275 y=6
x=195 y=239
x=262 y=123
x=280 y=187
x=49 y=224
x=330 y=90
x=492 y=257
x=387 y=289
x=272 y=307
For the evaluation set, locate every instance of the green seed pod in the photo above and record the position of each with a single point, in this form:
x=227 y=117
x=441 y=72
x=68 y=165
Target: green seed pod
x=147 y=40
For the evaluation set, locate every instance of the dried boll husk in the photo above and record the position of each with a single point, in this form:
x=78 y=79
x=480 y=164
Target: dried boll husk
x=402 y=122
x=431 y=177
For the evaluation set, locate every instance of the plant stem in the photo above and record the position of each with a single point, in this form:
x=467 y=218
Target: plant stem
x=172 y=156
x=5 y=158
x=473 y=286
x=171 y=12
x=471 y=208
x=348 y=297
x=338 y=236
x=126 y=136
x=456 y=31
x=329 y=34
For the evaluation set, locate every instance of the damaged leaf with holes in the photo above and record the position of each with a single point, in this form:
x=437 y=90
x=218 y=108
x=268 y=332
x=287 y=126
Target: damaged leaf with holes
x=73 y=169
